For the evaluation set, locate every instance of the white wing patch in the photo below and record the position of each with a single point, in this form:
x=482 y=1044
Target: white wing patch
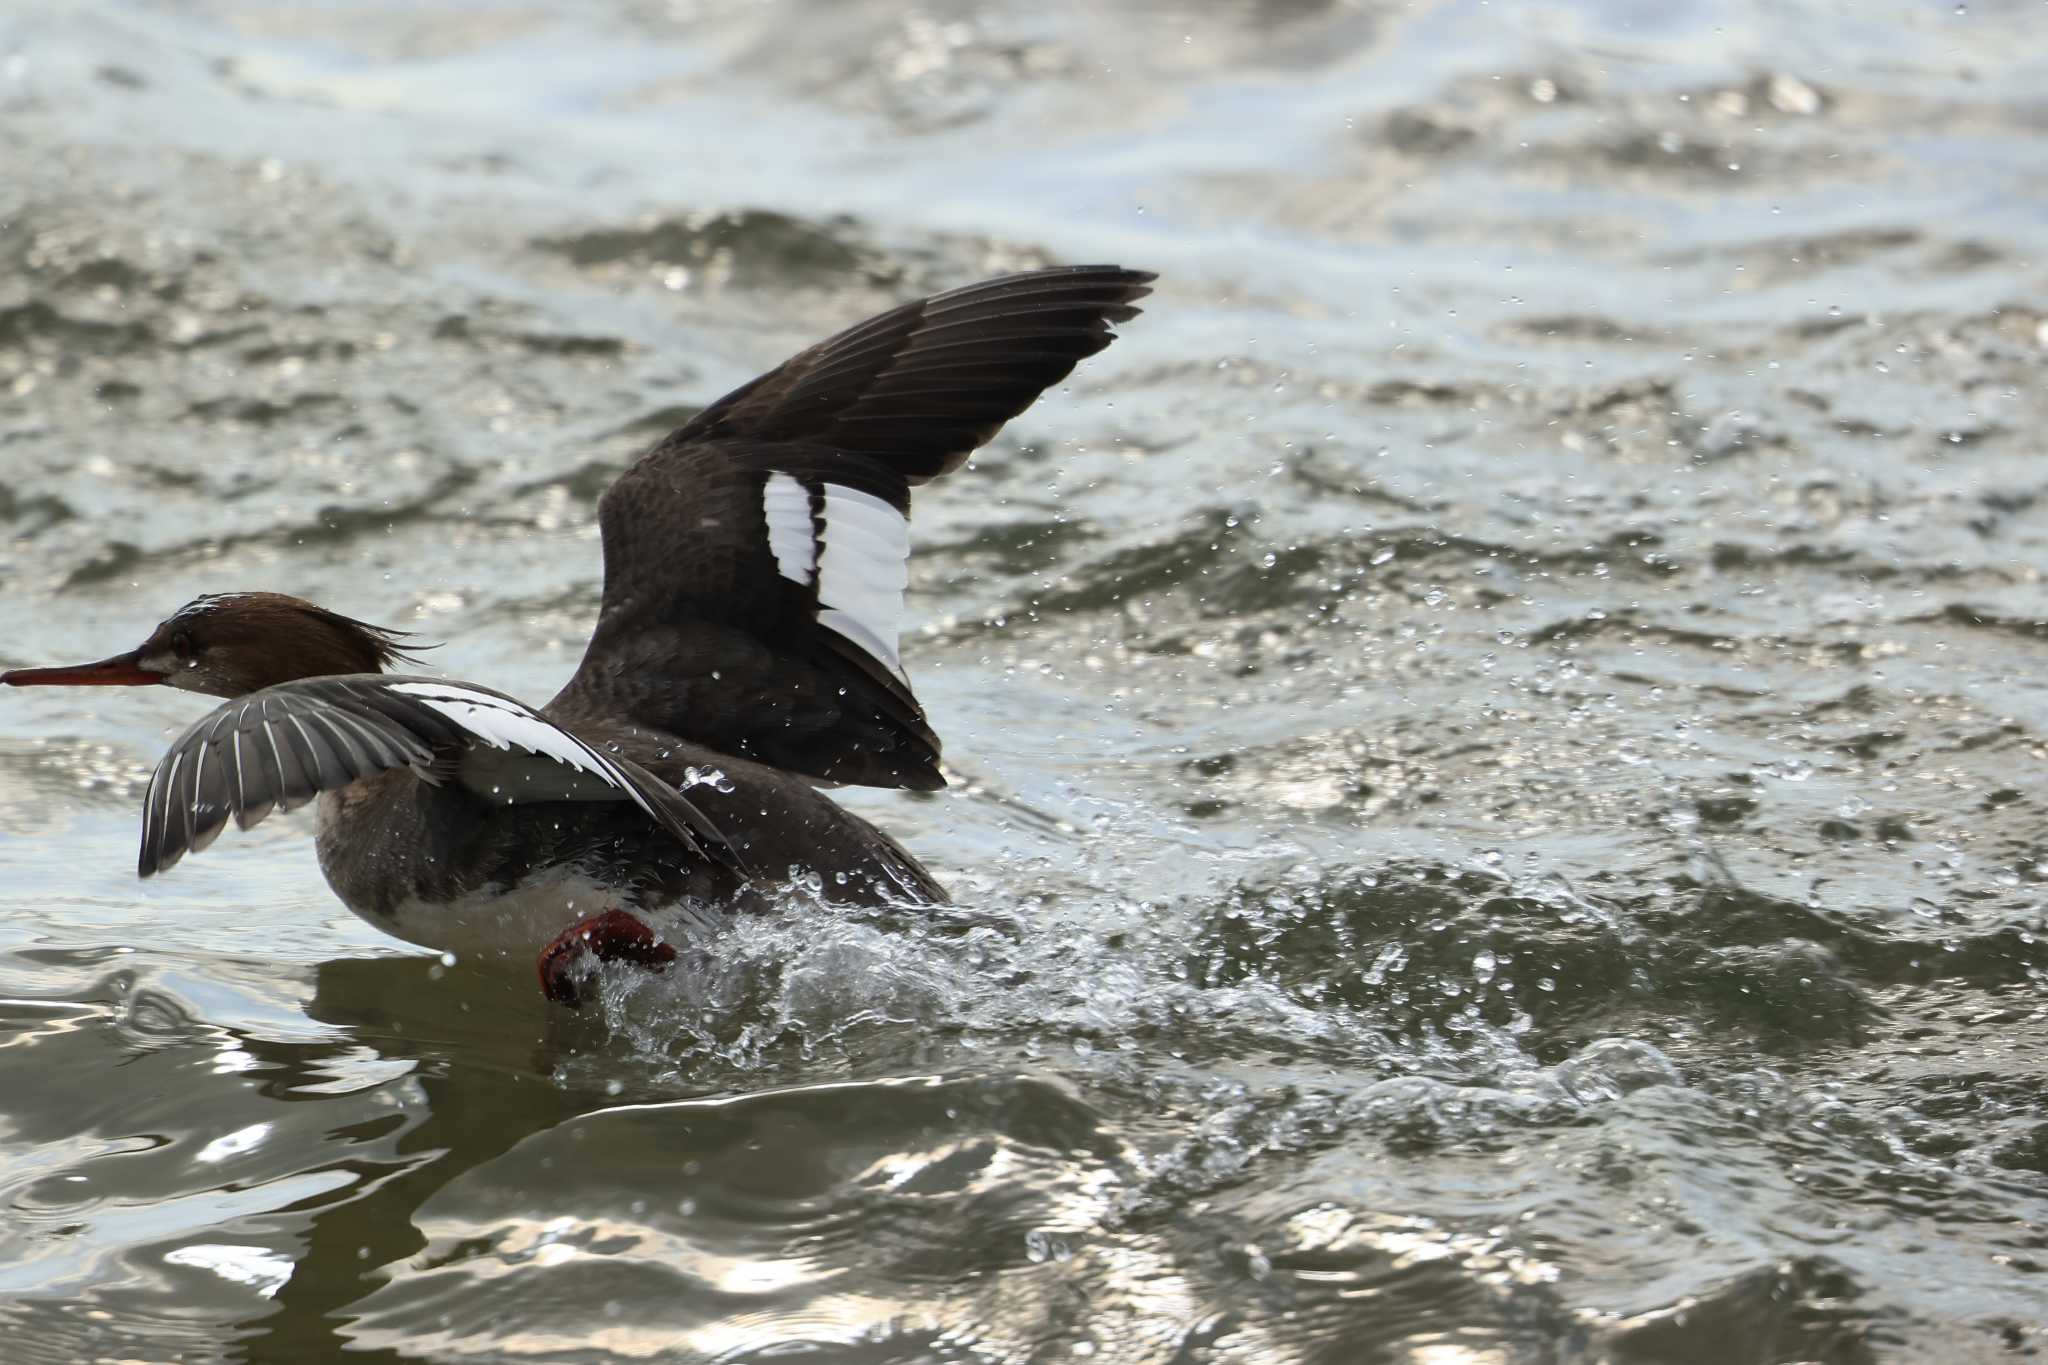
x=862 y=572
x=506 y=725
x=787 y=506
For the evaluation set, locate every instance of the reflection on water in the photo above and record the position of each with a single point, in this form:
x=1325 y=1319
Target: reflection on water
x=1489 y=737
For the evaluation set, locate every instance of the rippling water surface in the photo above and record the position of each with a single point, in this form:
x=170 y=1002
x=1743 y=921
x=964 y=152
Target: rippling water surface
x=1496 y=738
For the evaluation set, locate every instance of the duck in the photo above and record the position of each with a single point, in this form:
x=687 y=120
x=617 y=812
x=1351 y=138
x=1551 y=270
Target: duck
x=746 y=658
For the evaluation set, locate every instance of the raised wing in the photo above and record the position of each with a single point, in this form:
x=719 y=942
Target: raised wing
x=278 y=748
x=755 y=558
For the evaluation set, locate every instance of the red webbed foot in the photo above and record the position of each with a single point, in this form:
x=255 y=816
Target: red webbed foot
x=614 y=936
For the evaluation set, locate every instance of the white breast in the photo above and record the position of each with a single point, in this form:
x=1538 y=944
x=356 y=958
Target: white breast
x=512 y=927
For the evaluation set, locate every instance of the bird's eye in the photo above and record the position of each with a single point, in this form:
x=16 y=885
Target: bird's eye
x=181 y=646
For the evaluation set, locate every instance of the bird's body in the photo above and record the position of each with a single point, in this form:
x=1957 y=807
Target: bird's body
x=438 y=867
x=746 y=649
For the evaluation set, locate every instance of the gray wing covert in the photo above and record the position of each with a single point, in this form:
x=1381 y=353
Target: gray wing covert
x=278 y=748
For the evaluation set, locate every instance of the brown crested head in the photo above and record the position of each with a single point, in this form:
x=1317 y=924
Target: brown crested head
x=231 y=644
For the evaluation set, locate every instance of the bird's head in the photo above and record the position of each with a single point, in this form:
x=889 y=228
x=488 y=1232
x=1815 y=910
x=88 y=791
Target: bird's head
x=231 y=644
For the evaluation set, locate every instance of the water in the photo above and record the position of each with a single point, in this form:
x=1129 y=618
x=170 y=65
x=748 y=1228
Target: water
x=1493 y=737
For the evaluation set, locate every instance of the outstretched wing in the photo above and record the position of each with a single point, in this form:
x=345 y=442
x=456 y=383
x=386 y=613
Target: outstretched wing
x=279 y=748
x=755 y=558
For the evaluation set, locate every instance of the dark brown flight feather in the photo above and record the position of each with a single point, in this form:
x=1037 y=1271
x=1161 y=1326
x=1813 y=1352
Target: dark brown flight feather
x=700 y=636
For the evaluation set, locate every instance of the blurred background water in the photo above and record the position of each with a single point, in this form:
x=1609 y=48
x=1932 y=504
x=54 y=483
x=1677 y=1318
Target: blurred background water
x=1495 y=737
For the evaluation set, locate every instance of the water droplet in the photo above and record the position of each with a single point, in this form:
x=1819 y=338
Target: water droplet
x=1392 y=958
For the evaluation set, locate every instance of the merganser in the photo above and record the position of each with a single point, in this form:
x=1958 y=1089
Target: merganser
x=746 y=647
